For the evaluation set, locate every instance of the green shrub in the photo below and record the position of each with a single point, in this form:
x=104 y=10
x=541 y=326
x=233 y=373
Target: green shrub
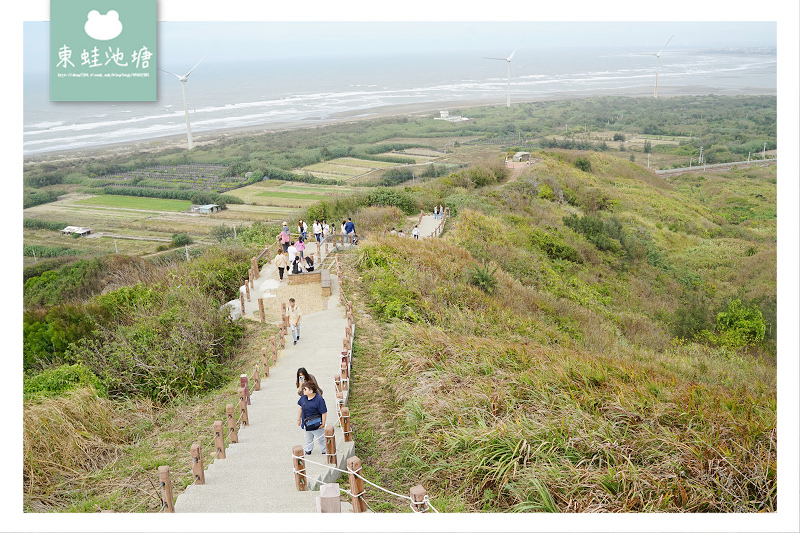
x=553 y=247
x=483 y=278
x=739 y=325
x=176 y=346
x=181 y=239
x=55 y=381
x=583 y=163
x=595 y=231
x=391 y=197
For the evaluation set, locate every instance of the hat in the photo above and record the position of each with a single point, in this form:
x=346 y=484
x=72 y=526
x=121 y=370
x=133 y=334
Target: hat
x=284 y=223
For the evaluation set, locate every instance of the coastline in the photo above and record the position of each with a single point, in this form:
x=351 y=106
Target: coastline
x=175 y=141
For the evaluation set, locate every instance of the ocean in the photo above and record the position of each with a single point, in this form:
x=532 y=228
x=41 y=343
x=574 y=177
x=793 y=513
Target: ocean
x=223 y=95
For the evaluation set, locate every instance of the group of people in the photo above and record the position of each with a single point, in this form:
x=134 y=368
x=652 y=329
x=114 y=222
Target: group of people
x=438 y=212
x=401 y=233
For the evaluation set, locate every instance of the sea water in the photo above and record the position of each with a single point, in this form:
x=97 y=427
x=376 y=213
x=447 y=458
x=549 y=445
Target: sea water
x=224 y=95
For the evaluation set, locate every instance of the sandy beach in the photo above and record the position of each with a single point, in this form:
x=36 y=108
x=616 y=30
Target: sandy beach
x=201 y=138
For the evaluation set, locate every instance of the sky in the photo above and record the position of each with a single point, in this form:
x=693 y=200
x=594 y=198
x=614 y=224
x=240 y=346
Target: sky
x=236 y=41
x=575 y=23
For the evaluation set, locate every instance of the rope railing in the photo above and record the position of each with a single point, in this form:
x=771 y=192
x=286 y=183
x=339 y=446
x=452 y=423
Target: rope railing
x=419 y=500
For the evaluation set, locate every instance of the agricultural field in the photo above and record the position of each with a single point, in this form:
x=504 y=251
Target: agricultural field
x=137 y=203
x=197 y=176
x=344 y=168
x=287 y=195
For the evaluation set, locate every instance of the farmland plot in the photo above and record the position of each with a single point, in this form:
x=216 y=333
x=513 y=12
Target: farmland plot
x=197 y=176
x=343 y=168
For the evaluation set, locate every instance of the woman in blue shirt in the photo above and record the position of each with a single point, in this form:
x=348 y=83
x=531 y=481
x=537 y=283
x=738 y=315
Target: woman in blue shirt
x=312 y=414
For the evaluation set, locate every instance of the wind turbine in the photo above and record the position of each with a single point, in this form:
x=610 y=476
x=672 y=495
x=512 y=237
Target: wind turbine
x=508 y=63
x=658 y=66
x=183 y=79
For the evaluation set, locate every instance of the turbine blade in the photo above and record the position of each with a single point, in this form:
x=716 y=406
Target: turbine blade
x=194 y=67
x=515 y=51
x=497 y=58
x=168 y=72
x=665 y=44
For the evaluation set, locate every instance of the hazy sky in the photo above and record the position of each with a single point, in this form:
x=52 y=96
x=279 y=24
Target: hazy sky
x=181 y=42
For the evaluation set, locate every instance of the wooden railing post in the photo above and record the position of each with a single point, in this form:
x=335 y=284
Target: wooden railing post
x=330 y=444
x=243 y=382
x=265 y=361
x=243 y=406
x=337 y=382
x=241 y=302
x=299 y=466
x=418 y=499
x=261 y=310
x=219 y=439
x=345 y=377
x=247 y=290
x=256 y=379
x=197 y=465
x=356 y=484
x=166 y=489
x=229 y=413
x=345 y=419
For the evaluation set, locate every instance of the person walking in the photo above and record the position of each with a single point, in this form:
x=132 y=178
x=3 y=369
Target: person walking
x=415 y=232
x=435 y=212
x=317 y=231
x=312 y=415
x=326 y=230
x=344 y=233
x=294 y=320
x=301 y=246
x=302 y=229
x=350 y=229
x=284 y=236
x=281 y=261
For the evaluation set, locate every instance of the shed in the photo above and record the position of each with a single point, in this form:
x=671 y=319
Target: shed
x=76 y=230
x=521 y=156
x=205 y=209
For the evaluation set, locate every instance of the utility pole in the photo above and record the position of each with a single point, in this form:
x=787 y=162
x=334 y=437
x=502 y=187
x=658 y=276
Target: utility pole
x=700 y=160
x=764 y=153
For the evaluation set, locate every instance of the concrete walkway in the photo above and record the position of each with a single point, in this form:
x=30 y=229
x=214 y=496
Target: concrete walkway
x=257 y=474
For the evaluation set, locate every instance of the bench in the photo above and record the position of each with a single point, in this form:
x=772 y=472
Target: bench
x=325 y=279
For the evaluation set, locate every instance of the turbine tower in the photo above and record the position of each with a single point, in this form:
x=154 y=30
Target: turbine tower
x=183 y=79
x=508 y=64
x=658 y=65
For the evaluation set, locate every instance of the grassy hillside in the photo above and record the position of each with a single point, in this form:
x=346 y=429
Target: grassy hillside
x=610 y=351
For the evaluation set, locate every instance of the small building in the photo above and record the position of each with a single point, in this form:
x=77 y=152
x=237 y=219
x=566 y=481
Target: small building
x=76 y=230
x=204 y=209
x=519 y=157
x=445 y=115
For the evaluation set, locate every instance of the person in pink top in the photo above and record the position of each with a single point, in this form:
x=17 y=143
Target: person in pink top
x=301 y=245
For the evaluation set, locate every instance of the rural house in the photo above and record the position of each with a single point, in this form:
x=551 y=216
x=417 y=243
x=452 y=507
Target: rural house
x=75 y=230
x=204 y=209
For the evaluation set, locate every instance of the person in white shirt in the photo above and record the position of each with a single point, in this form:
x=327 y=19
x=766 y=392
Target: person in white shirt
x=415 y=232
x=292 y=251
x=317 y=231
x=326 y=230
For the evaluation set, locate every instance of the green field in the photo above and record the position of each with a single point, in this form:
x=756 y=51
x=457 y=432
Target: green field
x=135 y=202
